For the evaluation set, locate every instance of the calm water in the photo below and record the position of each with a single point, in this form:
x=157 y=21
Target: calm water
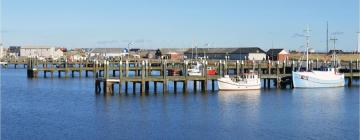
x=69 y=109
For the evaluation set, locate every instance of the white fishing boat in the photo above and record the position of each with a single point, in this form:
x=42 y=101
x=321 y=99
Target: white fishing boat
x=328 y=77
x=195 y=70
x=249 y=81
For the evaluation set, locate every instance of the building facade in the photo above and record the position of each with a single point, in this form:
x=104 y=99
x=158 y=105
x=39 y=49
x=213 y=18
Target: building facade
x=246 y=53
x=41 y=52
x=102 y=53
x=278 y=54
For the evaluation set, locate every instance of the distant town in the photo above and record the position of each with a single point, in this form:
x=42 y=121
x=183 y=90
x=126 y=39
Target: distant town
x=241 y=53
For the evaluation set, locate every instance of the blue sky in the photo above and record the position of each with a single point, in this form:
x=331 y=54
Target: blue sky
x=178 y=23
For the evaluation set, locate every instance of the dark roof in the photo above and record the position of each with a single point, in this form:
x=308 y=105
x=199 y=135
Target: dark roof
x=226 y=50
x=274 y=51
x=135 y=49
x=107 y=50
x=173 y=50
x=336 y=51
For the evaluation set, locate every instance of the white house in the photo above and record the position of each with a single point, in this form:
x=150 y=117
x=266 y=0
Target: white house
x=57 y=54
x=108 y=52
x=41 y=51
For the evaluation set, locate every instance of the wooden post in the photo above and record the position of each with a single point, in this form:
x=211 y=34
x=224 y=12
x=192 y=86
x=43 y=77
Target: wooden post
x=351 y=74
x=95 y=63
x=242 y=66
x=253 y=65
x=97 y=86
x=104 y=86
x=237 y=68
x=107 y=69
x=165 y=77
x=277 y=68
x=86 y=68
x=220 y=69
x=277 y=75
x=195 y=85
x=269 y=67
x=225 y=72
x=175 y=86
x=120 y=76
x=204 y=86
x=185 y=68
x=259 y=69
x=148 y=66
x=80 y=68
x=284 y=67
x=264 y=83
x=134 y=87
x=184 y=85
x=66 y=68
x=213 y=85
x=126 y=76
x=147 y=86
x=142 y=77
x=155 y=87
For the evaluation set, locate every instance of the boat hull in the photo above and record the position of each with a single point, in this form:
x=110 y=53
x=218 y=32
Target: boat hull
x=313 y=80
x=228 y=85
x=194 y=74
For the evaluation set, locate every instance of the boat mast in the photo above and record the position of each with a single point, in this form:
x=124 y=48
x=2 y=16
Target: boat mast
x=327 y=37
x=334 y=51
x=196 y=52
x=307 y=35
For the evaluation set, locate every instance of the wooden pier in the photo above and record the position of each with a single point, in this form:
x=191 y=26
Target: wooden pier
x=146 y=72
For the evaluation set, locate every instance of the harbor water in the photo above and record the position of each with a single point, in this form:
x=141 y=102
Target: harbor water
x=47 y=108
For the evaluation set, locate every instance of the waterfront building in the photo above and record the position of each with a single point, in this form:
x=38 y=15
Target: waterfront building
x=278 y=54
x=14 y=51
x=336 y=51
x=148 y=53
x=172 y=53
x=107 y=52
x=41 y=52
x=248 y=53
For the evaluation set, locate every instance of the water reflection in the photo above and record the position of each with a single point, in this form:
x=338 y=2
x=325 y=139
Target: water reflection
x=233 y=103
x=231 y=96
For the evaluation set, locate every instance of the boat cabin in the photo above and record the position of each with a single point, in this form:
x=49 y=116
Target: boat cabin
x=329 y=69
x=248 y=76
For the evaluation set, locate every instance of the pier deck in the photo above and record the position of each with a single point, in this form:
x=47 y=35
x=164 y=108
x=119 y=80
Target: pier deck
x=157 y=71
